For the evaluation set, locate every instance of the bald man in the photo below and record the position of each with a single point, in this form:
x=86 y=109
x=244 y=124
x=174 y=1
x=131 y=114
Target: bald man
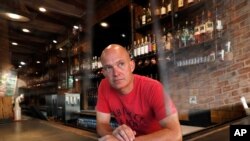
x=143 y=110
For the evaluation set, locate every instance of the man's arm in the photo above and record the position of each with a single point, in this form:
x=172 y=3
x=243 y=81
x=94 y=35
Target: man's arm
x=103 y=124
x=121 y=133
x=171 y=131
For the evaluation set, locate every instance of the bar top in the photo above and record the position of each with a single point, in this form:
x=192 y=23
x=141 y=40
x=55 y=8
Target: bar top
x=38 y=130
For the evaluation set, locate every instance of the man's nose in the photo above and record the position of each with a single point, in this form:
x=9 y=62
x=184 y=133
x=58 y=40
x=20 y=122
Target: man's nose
x=116 y=70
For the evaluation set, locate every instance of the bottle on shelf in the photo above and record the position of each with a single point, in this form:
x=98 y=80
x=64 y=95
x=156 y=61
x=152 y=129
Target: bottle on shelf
x=138 y=48
x=148 y=14
x=190 y=1
x=180 y=4
x=177 y=38
x=169 y=7
x=154 y=46
x=146 y=45
x=197 y=31
x=209 y=26
x=149 y=44
x=144 y=17
x=135 y=49
x=163 y=10
x=185 y=35
x=169 y=42
x=142 y=52
x=202 y=27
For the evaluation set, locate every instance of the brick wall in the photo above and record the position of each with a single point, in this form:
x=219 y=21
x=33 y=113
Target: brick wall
x=218 y=86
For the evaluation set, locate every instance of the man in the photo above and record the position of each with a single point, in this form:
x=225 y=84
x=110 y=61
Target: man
x=139 y=104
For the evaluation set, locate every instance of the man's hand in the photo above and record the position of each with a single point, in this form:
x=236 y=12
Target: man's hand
x=124 y=133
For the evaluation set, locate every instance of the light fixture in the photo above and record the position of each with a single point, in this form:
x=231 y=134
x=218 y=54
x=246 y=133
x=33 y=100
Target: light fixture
x=76 y=27
x=42 y=9
x=104 y=24
x=14 y=43
x=38 y=62
x=18 y=12
x=54 y=41
x=22 y=63
x=14 y=16
x=123 y=35
x=26 y=30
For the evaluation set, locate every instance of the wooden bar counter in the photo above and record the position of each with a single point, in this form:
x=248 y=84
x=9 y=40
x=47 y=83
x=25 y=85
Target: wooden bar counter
x=38 y=130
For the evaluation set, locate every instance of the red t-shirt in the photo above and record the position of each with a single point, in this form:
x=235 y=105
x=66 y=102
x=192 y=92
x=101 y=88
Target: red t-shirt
x=141 y=109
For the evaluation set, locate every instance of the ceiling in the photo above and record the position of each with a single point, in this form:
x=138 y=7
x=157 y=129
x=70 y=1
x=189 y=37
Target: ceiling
x=55 y=24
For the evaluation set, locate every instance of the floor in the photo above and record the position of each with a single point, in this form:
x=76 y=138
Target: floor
x=30 y=129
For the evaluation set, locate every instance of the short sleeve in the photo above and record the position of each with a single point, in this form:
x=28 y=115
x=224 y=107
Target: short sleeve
x=102 y=103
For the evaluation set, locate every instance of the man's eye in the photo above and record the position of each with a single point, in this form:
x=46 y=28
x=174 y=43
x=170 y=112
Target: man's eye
x=107 y=68
x=121 y=64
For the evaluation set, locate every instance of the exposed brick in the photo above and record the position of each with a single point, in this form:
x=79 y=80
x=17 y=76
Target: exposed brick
x=235 y=93
x=241 y=5
x=244 y=70
x=235 y=66
x=218 y=73
x=231 y=87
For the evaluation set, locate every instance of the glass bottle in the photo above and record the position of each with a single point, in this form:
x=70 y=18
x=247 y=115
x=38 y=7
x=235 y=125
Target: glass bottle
x=146 y=44
x=209 y=26
x=202 y=27
x=163 y=8
x=135 y=49
x=148 y=14
x=180 y=3
x=154 y=47
x=143 y=17
x=169 y=6
x=197 y=31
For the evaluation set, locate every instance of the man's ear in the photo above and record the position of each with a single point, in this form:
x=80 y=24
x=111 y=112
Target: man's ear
x=132 y=65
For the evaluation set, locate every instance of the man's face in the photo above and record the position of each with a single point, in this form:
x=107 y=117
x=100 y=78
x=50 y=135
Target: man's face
x=118 y=68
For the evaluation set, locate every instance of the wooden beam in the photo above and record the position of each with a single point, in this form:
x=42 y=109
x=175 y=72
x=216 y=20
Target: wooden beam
x=58 y=7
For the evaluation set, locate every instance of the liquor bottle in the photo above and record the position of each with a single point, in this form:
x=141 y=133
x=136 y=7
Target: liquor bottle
x=202 y=27
x=178 y=37
x=163 y=8
x=180 y=3
x=146 y=45
x=190 y=1
x=144 y=17
x=209 y=26
x=169 y=42
x=185 y=34
x=154 y=46
x=135 y=49
x=142 y=47
x=149 y=44
x=138 y=48
x=169 y=6
x=197 y=31
x=191 y=39
x=149 y=13
x=137 y=22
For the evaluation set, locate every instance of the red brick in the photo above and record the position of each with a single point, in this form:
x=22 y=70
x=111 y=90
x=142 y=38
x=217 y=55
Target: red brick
x=218 y=73
x=240 y=5
x=235 y=66
x=244 y=70
x=231 y=87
